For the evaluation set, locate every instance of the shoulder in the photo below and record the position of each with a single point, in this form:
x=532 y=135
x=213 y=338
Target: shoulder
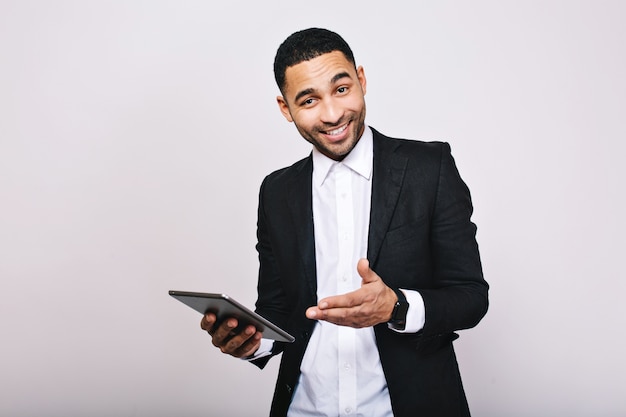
x=410 y=148
x=284 y=176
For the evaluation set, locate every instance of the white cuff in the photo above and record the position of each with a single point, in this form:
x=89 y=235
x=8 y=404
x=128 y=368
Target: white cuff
x=264 y=350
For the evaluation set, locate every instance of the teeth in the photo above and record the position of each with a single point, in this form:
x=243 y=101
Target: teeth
x=338 y=130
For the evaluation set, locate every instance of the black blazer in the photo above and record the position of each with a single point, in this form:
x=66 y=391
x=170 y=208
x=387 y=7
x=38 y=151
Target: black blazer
x=420 y=237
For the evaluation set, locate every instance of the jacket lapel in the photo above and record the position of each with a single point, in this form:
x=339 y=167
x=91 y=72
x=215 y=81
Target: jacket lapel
x=388 y=174
x=300 y=202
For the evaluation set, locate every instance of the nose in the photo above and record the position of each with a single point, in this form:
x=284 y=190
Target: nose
x=331 y=112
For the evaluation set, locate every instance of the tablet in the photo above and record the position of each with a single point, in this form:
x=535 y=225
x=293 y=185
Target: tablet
x=224 y=306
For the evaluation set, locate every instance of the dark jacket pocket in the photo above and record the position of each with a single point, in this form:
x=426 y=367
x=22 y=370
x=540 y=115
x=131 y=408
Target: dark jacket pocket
x=431 y=344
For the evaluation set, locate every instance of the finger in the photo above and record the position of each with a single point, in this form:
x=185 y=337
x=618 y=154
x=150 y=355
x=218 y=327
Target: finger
x=251 y=345
x=314 y=313
x=223 y=332
x=347 y=300
x=337 y=315
x=366 y=273
x=242 y=342
x=208 y=321
x=359 y=316
x=352 y=317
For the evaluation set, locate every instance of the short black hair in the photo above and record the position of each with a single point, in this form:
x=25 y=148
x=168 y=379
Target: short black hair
x=305 y=45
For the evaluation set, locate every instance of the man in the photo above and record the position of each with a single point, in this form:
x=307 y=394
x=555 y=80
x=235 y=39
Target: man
x=367 y=255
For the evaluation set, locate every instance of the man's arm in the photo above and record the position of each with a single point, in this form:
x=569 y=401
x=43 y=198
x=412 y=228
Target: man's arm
x=458 y=297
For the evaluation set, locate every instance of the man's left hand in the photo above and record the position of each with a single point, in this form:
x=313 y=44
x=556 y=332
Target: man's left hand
x=369 y=305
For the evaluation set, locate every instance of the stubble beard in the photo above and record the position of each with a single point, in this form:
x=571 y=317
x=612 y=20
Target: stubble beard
x=341 y=150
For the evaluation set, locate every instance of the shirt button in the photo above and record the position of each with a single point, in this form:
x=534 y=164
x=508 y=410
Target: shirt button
x=346 y=367
x=348 y=410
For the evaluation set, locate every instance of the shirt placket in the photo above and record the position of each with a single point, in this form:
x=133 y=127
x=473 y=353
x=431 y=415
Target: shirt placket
x=346 y=360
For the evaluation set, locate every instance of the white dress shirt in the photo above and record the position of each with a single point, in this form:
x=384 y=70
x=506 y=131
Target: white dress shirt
x=341 y=373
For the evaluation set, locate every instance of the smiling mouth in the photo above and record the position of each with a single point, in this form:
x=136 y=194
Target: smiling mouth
x=337 y=131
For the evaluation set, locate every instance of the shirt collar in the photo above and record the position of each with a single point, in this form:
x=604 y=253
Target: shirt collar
x=359 y=160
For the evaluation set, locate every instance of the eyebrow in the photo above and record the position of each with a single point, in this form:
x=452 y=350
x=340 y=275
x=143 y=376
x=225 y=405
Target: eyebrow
x=303 y=93
x=339 y=76
x=333 y=80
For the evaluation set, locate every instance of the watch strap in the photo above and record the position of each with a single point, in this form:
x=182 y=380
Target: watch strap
x=400 y=310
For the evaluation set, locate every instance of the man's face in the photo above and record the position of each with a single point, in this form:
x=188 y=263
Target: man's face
x=324 y=97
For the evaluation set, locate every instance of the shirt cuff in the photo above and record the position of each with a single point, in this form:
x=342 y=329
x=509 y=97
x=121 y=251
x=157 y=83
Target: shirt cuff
x=264 y=350
x=415 y=316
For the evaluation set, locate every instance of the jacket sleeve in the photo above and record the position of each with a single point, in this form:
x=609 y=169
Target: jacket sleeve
x=458 y=299
x=271 y=299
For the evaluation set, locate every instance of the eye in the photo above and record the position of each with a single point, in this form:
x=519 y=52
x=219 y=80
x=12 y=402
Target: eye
x=342 y=90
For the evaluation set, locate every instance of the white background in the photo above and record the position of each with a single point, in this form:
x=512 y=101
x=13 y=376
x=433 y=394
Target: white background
x=134 y=136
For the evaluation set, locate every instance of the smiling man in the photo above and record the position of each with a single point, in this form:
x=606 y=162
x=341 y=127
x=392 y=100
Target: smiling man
x=367 y=255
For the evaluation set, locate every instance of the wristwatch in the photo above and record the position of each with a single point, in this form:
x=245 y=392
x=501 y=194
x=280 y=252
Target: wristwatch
x=398 y=315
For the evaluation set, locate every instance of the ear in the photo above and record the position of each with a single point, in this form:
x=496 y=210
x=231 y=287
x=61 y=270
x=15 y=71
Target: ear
x=284 y=108
x=360 y=73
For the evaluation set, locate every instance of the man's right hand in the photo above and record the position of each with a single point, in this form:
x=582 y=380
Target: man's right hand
x=239 y=344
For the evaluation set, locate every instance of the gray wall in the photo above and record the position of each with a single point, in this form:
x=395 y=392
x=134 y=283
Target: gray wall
x=134 y=136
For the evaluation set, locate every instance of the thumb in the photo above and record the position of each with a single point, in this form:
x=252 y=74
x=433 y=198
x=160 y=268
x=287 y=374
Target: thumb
x=363 y=268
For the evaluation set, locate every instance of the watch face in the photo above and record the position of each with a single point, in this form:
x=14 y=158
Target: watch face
x=398 y=317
